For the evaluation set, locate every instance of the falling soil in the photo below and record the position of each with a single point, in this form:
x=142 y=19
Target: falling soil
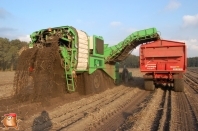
x=39 y=75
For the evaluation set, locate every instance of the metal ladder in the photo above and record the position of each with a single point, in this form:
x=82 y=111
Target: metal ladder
x=68 y=73
x=70 y=81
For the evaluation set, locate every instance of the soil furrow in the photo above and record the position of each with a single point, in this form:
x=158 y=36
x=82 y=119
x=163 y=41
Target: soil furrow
x=98 y=116
x=192 y=73
x=192 y=83
x=165 y=117
x=120 y=108
x=119 y=118
x=78 y=109
x=86 y=110
x=191 y=96
x=145 y=118
x=181 y=115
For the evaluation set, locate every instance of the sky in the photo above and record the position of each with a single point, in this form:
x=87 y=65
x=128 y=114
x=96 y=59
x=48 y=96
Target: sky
x=114 y=20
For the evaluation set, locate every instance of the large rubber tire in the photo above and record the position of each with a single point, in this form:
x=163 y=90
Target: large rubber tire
x=179 y=85
x=94 y=82
x=125 y=76
x=97 y=81
x=149 y=85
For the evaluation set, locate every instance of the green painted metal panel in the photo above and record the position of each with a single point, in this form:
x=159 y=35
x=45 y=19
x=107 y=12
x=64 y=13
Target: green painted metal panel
x=110 y=70
x=95 y=63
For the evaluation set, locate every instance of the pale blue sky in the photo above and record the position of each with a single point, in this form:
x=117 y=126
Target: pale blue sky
x=112 y=19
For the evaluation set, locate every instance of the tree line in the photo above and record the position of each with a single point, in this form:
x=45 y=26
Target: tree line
x=192 y=62
x=131 y=61
x=9 y=53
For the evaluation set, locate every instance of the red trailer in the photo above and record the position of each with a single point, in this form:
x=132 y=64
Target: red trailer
x=164 y=62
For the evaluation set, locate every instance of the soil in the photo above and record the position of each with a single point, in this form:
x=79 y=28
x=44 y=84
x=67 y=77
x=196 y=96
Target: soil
x=124 y=107
x=45 y=81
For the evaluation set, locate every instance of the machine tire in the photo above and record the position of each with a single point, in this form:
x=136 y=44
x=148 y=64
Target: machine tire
x=179 y=85
x=149 y=85
x=97 y=81
x=125 y=76
x=94 y=82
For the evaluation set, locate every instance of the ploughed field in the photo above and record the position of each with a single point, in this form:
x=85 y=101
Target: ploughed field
x=124 y=107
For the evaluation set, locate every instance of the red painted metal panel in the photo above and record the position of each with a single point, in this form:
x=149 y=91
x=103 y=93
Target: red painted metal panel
x=163 y=56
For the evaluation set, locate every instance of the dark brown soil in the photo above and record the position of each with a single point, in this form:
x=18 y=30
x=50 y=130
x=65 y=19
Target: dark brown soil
x=121 y=108
x=45 y=87
x=47 y=79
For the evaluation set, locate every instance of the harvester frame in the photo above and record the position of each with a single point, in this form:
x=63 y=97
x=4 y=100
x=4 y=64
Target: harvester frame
x=81 y=53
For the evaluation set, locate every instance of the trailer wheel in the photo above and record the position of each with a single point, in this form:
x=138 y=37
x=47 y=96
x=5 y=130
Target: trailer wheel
x=149 y=85
x=179 y=85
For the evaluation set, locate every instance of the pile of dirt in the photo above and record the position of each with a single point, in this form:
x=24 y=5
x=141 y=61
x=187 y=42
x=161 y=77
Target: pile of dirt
x=40 y=76
x=46 y=80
